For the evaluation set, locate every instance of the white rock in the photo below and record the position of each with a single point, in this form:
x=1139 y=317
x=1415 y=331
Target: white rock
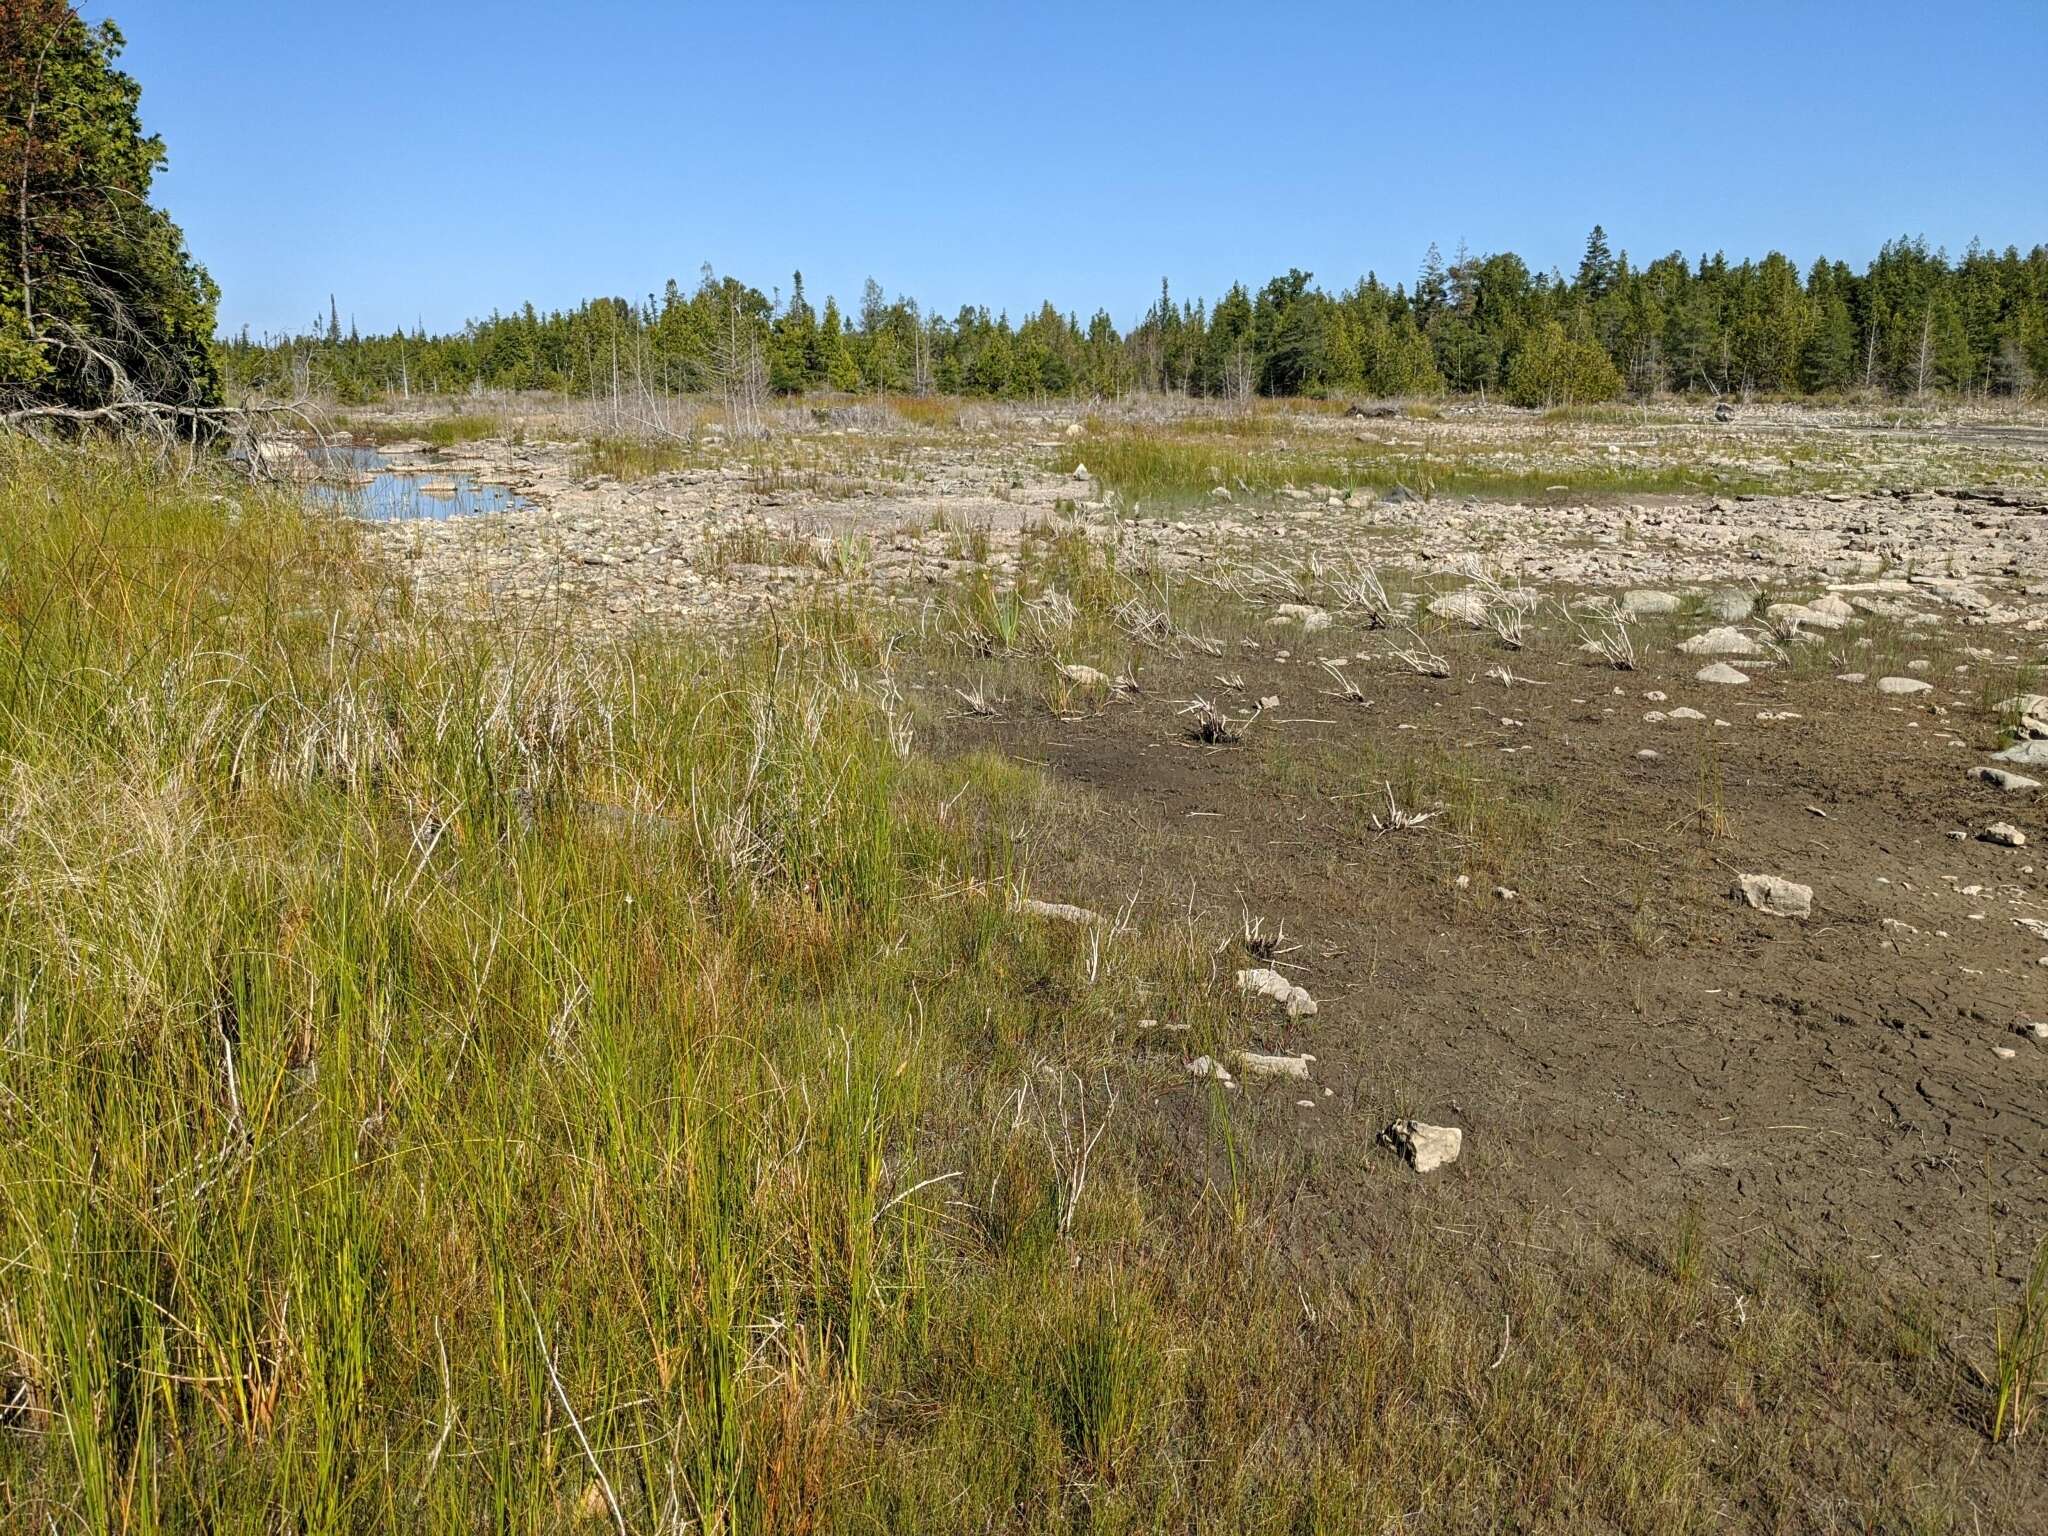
x=1468 y=607
x=1730 y=604
x=1721 y=672
x=1643 y=602
x=1726 y=641
x=2005 y=834
x=1266 y=983
x=2033 y=1029
x=1257 y=1065
x=1802 y=616
x=1427 y=1147
x=1081 y=472
x=1204 y=1066
x=1057 y=911
x=1999 y=778
x=1311 y=619
x=1778 y=897
x=2029 y=753
x=1903 y=685
x=1086 y=676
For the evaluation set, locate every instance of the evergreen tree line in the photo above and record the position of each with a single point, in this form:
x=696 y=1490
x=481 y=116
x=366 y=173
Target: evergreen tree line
x=1912 y=322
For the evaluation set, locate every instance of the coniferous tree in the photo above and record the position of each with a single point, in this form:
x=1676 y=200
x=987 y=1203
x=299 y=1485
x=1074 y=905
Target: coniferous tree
x=1596 y=267
x=99 y=302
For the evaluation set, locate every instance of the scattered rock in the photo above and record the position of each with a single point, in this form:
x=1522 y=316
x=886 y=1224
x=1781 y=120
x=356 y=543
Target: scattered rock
x=1467 y=607
x=1257 y=1065
x=2027 y=753
x=1729 y=604
x=1725 y=641
x=1644 y=602
x=1057 y=911
x=1799 y=616
x=2005 y=834
x=1903 y=685
x=1999 y=778
x=2028 y=713
x=1086 y=676
x=1267 y=983
x=1427 y=1147
x=1312 y=620
x=1209 y=1067
x=1778 y=897
x=2033 y=1029
x=1721 y=672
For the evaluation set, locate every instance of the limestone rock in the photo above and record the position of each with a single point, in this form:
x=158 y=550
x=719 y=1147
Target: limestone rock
x=1999 y=778
x=1802 y=616
x=1903 y=685
x=1268 y=983
x=1312 y=620
x=1644 y=602
x=1467 y=607
x=1776 y=896
x=1057 y=911
x=1721 y=672
x=1427 y=1147
x=1730 y=605
x=1256 y=1064
x=1725 y=641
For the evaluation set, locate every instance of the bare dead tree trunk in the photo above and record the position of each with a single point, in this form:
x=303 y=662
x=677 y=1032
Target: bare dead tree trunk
x=1926 y=341
x=1237 y=378
x=742 y=375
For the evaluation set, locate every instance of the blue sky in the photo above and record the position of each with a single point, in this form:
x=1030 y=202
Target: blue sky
x=439 y=159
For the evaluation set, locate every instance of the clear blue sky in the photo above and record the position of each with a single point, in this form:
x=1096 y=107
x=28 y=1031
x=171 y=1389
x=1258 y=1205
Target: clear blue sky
x=441 y=158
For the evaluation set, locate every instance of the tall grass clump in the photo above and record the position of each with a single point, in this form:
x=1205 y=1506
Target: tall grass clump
x=632 y=458
x=447 y=431
x=418 y=1037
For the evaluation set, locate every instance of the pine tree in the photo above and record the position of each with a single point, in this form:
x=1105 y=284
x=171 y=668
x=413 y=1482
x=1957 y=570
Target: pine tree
x=100 y=303
x=1596 y=268
x=843 y=373
x=1432 y=288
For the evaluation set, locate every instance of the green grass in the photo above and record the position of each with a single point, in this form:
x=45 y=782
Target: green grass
x=437 y=432
x=1160 y=467
x=633 y=458
x=463 y=1079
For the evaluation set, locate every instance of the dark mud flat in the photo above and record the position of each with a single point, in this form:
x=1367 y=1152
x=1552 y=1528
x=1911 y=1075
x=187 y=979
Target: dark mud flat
x=1636 y=1058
